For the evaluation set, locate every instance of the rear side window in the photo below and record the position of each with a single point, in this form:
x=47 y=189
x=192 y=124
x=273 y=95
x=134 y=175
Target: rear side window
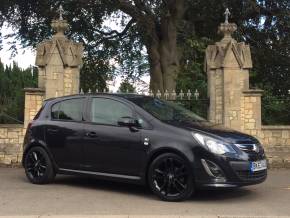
x=68 y=110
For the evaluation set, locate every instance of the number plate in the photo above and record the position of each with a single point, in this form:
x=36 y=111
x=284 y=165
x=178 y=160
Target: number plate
x=258 y=165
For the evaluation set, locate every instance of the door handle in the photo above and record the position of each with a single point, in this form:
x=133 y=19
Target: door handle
x=52 y=130
x=92 y=134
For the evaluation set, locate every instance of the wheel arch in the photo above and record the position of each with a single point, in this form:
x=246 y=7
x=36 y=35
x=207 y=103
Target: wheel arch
x=188 y=157
x=38 y=144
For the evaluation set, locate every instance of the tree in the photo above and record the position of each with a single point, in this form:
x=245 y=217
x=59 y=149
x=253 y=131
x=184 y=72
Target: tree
x=158 y=23
x=12 y=82
x=127 y=87
x=160 y=26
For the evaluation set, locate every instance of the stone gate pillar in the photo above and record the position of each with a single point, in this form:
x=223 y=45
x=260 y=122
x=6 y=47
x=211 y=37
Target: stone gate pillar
x=227 y=64
x=59 y=60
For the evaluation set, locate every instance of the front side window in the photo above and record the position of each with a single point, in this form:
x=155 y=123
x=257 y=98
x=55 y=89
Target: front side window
x=68 y=110
x=108 y=111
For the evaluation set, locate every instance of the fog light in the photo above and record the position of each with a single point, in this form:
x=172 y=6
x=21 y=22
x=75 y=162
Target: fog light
x=212 y=169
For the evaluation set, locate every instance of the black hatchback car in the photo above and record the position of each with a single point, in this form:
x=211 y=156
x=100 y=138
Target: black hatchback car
x=139 y=139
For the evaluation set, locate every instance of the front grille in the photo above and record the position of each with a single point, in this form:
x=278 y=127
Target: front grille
x=250 y=148
x=247 y=175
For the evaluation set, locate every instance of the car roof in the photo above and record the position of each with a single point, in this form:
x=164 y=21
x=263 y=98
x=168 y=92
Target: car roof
x=121 y=95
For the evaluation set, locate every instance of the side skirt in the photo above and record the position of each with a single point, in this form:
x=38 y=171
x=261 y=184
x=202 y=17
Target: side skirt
x=109 y=176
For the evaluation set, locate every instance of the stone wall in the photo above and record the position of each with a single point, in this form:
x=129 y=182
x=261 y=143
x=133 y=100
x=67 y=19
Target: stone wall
x=278 y=136
x=12 y=135
x=252 y=124
x=275 y=139
x=251 y=111
x=11 y=139
x=33 y=101
x=215 y=90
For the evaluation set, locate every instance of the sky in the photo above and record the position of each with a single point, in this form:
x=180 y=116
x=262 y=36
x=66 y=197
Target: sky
x=26 y=58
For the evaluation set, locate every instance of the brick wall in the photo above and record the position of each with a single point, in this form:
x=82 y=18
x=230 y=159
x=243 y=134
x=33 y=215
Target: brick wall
x=11 y=139
x=275 y=139
x=33 y=101
x=12 y=135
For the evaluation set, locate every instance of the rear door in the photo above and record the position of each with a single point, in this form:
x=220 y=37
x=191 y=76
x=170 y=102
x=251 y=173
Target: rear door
x=64 y=133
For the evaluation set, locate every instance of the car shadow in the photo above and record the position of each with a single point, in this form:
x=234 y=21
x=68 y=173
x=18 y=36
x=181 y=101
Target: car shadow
x=104 y=185
x=144 y=191
x=223 y=194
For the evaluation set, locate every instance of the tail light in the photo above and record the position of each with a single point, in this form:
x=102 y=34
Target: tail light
x=29 y=126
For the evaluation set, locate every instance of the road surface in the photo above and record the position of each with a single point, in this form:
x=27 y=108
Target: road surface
x=72 y=196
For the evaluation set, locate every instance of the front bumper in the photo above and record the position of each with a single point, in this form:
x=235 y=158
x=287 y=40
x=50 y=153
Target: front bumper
x=236 y=173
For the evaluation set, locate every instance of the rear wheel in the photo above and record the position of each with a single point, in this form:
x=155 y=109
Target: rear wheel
x=38 y=166
x=170 y=177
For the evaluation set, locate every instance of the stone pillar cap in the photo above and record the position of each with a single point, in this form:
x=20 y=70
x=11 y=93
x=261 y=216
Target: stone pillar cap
x=227 y=29
x=34 y=90
x=59 y=27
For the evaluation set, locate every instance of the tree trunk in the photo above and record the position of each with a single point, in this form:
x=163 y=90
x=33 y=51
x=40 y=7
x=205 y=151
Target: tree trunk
x=163 y=51
x=163 y=58
x=156 y=77
x=168 y=51
x=160 y=37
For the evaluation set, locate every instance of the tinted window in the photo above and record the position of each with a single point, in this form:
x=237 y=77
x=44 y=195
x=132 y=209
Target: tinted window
x=166 y=111
x=108 y=111
x=68 y=110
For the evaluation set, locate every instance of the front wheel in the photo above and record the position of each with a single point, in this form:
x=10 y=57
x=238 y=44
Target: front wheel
x=170 y=177
x=38 y=166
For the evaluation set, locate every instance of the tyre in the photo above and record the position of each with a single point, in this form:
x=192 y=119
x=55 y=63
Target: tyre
x=170 y=177
x=38 y=166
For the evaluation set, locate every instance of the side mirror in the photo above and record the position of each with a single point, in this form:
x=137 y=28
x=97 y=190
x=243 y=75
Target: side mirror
x=128 y=122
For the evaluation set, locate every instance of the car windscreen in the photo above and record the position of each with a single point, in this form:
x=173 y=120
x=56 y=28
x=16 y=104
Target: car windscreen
x=166 y=111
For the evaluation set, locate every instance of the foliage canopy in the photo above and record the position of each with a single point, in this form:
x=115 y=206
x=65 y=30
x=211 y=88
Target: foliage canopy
x=154 y=36
x=12 y=82
x=165 y=39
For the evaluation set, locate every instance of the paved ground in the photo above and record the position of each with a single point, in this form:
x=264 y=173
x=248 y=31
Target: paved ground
x=86 y=196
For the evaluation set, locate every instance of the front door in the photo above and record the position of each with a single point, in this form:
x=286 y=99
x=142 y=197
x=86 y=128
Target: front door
x=108 y=147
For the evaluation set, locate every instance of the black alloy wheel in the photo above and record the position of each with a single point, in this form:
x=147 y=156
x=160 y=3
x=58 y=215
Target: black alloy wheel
x=38 y=166
x=170 y=178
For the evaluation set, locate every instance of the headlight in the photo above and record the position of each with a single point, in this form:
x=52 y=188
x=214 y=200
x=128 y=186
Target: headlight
x=214 y=145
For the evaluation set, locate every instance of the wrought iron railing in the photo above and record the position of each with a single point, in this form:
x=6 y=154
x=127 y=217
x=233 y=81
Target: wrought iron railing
x=7 y=119
x=190 y=100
